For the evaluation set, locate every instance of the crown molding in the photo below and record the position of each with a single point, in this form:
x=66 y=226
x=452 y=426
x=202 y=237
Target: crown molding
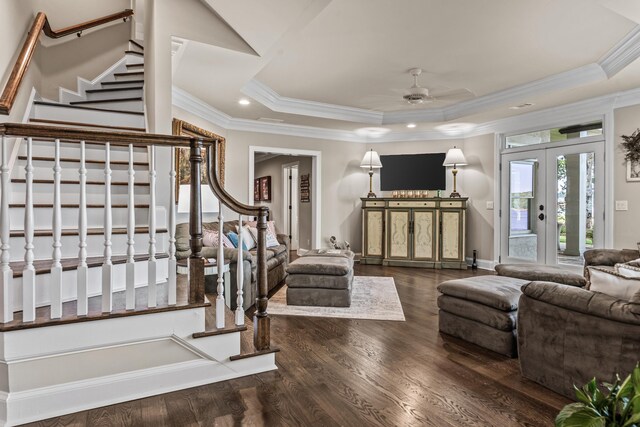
x=622 y=54
x=281 y=104
x=589 y=109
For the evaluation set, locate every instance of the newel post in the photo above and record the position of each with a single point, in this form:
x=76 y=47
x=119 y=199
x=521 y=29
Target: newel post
x=196 y=262
x=261 y=321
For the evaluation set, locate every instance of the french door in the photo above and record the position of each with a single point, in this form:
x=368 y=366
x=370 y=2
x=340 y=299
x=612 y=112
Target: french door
x=552 y=206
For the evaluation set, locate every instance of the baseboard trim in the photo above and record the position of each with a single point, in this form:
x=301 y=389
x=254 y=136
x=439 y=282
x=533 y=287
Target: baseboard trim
x=483 y=264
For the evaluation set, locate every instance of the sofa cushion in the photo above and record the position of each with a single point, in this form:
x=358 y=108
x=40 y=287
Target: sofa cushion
x=613 y=283
x=277 y=250
x=545 y=273
x=498 y=319
x=333 y=266
x=495 y=291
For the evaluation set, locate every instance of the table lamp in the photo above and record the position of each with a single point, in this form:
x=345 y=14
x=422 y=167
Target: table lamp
x=209 y=200
x=371 y=161
x=454 y=158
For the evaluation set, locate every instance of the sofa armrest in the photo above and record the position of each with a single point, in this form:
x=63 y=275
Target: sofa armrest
x=582 y=301
x=283 y=239
x=230 y=254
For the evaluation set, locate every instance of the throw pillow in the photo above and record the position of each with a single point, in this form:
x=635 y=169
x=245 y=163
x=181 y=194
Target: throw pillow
x=211 y=238
x=634 y=263
x=233 y=237
x=247 y=238
x=272 y=240
x=611 y=283
x=271 y=226
x=627 y=270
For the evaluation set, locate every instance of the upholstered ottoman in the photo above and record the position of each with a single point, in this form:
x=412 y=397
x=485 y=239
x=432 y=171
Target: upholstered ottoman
x=543 y=273
x=321 y=278
x=481 y=310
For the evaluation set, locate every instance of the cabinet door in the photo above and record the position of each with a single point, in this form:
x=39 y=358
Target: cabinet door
x=424 y=232
x=452 y=238
x=373 y=224
x=398 y=233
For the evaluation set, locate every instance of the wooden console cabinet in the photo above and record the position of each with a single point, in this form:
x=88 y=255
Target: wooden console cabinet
x=427 y=232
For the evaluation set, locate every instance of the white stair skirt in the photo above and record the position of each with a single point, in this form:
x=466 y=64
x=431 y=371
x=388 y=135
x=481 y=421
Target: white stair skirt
x=156 y=354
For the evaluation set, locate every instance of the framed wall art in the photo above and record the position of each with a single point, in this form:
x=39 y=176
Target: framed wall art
x=183 y=167
x=265 y=189
x=256 y=190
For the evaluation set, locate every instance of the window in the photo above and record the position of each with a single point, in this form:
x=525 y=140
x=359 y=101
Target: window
x=554 y=134
x=522 y=193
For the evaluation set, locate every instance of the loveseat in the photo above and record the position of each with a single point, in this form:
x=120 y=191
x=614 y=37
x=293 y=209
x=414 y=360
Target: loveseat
x=277 y=261
x=568 y=335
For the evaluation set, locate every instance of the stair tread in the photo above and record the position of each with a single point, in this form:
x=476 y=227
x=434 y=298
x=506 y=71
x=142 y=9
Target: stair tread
x=68 y=181
x=114 y=89
x=71 y=205
x=57 y=104
x=130 y=73
x=88 y=125
x=43 y=266
x=135 y=43
x=73 y=160
x=133 y=52
x=122 y=82
x=90 y=231
x=210 y=322
x=254 y=353
x=135 y=65
x=105 y=101
x=69 y=309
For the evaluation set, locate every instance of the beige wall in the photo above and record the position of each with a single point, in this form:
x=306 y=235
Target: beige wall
x=273 y=168
x=626 y=224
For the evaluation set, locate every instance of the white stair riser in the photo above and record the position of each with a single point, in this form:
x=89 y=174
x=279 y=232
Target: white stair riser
x=118 y=105
x=107 y=118
x=70 y=189
x=70 y=280
x=95 y=245
x=131 y=93
x=95 y=172
x=130 y=76
x=95 y=217
x=95 y=198
x=93 y=152
x=134 y=59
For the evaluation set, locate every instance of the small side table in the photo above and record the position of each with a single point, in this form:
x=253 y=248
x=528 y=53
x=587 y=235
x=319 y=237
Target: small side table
x=210 y=276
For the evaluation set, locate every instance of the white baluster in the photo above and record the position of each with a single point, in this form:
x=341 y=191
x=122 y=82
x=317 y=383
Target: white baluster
x=29 y=272
x=107 y=266
x=131 y=231
x=6 y=275
x=151 y=278
x=83 y=271
x=172 y=282
x=220 y=298
x=56 y=267
x=240 y=279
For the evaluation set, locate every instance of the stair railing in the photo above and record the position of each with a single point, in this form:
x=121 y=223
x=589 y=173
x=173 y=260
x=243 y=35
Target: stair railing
x=261 y=321
x=194 y=295
x=41 y=24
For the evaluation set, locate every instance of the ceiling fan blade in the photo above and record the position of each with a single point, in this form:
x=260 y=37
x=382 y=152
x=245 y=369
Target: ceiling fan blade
x=452 y=95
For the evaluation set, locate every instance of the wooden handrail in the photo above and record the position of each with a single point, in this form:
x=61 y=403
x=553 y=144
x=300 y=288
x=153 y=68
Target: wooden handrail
x=41 y=23
x=26 y=130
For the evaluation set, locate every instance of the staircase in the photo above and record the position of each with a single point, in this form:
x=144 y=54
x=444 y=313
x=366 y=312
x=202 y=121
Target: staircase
x=92 y=311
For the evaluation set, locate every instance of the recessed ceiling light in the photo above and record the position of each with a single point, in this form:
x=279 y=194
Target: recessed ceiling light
x=244 y=101
x=411 y=125
x=523 y=105
x=453 y=129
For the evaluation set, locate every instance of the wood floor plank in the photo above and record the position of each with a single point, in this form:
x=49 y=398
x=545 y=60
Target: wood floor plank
x=349 y=372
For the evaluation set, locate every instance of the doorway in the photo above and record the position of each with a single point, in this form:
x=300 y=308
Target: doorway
x=290 y=206
x=553 y=203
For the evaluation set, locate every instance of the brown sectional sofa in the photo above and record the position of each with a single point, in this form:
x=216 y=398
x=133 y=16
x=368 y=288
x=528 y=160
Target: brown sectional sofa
x=277 y=261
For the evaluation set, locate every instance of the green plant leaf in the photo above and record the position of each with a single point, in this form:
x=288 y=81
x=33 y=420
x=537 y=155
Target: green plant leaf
x=582 y=396
x=635 y=419
x=635 y=375
x=568 y=411
x=585 y=418
x=626 y=388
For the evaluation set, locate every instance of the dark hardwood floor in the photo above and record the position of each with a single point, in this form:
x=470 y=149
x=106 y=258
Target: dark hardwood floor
x=357 y=373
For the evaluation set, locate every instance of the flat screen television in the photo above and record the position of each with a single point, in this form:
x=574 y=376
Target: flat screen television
x=413 y=172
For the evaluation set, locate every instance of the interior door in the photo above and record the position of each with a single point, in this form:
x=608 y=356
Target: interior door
x=523 y=211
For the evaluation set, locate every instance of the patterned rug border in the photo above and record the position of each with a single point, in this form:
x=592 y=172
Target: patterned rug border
x=364 y=306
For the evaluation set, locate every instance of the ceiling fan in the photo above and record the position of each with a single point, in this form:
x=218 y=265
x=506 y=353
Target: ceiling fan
x=417 y=94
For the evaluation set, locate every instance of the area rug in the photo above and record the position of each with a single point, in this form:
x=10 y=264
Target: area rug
x=374 y=298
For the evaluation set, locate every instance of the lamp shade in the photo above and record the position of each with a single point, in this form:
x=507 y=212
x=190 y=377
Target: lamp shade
x=371 y=160
x=455 y=157
x=209 y=201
